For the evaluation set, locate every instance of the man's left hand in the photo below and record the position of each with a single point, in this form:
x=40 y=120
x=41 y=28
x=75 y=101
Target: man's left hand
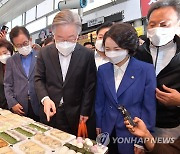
x=170 y=98
x=83 y=118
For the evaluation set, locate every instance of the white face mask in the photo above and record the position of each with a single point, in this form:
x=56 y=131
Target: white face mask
x=161 y=36
x=116 y=56
x=65 y=48
x=26 y=50
x=99 y=45
x=3 y=58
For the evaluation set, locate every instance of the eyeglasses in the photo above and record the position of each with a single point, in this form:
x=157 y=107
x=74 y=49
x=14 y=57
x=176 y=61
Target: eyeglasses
x=25 y=43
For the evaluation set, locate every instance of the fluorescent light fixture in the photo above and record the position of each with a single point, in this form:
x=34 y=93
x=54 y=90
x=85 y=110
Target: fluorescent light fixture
x=3 y=2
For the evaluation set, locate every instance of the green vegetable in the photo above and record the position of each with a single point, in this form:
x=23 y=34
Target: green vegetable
x=8 y=138
x=73 y=148
x=22 y=131
x=94 y=142
x=37 y=128
x=81 y=150
x=68 y=145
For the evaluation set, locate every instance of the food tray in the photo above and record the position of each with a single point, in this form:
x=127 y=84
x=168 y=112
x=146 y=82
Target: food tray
x=8 y=150
x=40 y=128
x=45 y=139
x=71 y=137
x=8 y=138
x=17 y=149
x=104 y=149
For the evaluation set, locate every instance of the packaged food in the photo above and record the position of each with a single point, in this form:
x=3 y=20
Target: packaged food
x=8 y=138
x=3 y=143
x=6 y=150
x=60 y=134
x=31 y=148
x=47 y=140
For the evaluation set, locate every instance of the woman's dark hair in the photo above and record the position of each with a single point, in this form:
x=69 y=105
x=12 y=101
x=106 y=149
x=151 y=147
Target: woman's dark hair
x=125 y=36
x=165 y=3
x=16 y=31
x=7 y=44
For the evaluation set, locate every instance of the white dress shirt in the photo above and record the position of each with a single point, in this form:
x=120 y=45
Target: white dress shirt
x=100 y=60
x=166 y=53
x=119 y=73
x=64 y=62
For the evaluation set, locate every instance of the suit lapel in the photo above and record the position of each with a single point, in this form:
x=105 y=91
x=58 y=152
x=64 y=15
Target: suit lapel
x=131 y=74
x=73 y=63
x=109 y=77
x=54 y=56
x=19 y=64
x=33 y=63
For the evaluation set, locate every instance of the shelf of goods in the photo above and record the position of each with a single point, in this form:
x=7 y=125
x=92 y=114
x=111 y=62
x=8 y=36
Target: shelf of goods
x=22 y=135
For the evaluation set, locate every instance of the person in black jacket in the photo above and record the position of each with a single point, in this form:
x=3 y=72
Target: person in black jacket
x=65 y=78
x=6 y=50
x=163 y=50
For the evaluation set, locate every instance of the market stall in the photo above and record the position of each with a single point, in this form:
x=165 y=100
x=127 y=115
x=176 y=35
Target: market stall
x=22 y=135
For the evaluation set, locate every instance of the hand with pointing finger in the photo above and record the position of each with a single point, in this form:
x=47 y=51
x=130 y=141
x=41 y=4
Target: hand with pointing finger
x=170 y=98
x=49 y=108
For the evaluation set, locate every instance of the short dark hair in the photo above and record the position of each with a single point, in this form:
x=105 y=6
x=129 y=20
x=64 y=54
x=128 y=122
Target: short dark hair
x=7 y=44
x=107 y=24
x=88 y=43
x=18 y=30
x=165 y=3
x=125 y=36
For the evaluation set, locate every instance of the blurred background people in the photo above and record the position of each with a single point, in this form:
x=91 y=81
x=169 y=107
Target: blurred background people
x=2 y=35
x=162 y=49
x=65 y=78
x=100 y=57
x=89 y=45
x=48 y=41
x=19 y=76
x=117 y=84
x=6 y=51
x=36 y=47
x=3 y=32
x=152 y=147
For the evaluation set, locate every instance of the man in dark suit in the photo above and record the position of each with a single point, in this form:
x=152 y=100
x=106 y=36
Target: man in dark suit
x=19 y=76
x=163 y=50
x=65 y=77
